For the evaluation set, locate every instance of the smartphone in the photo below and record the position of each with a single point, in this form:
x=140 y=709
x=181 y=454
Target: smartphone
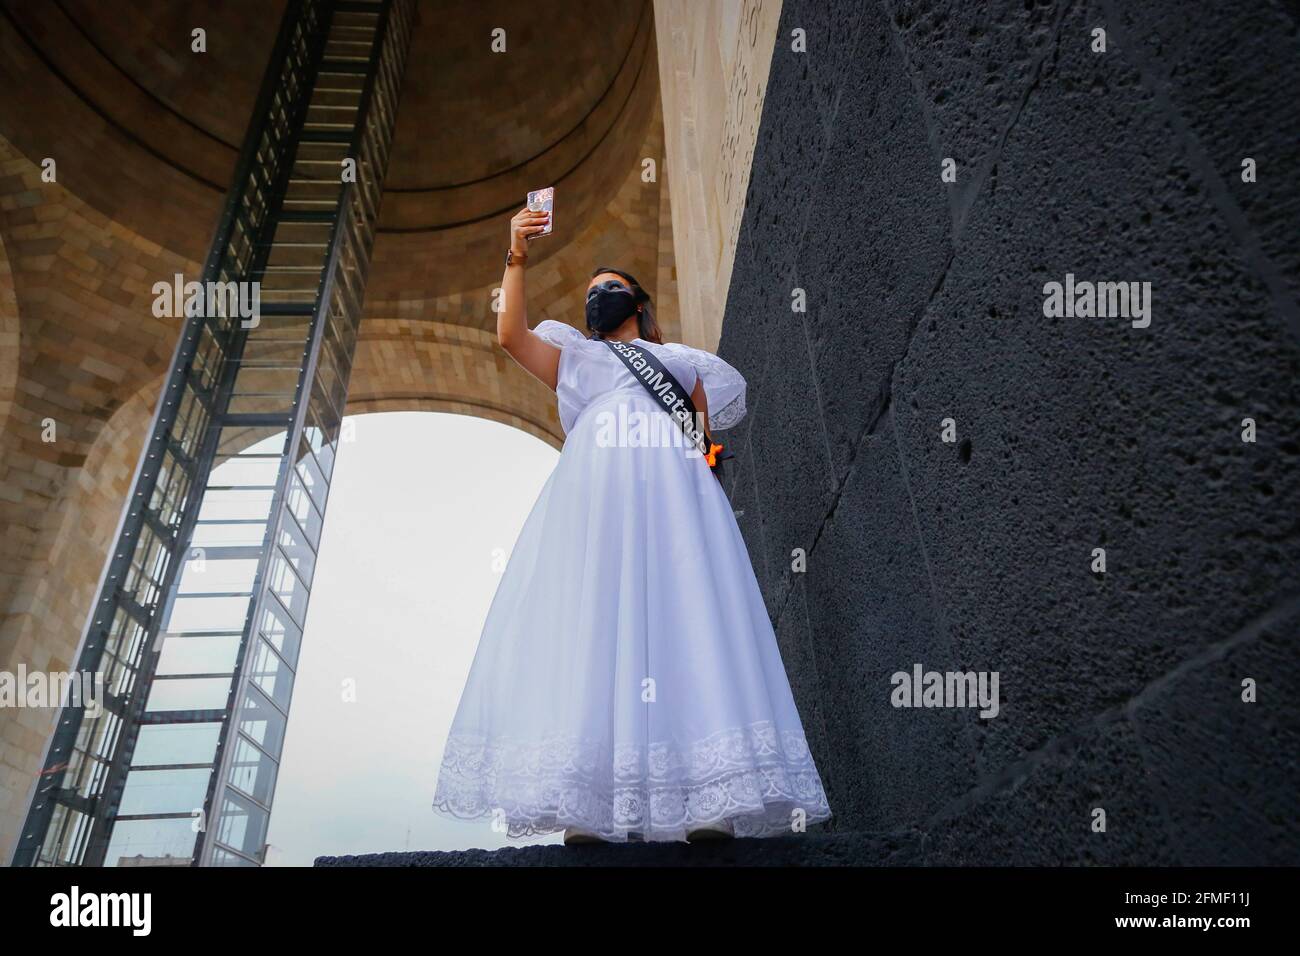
x=543 y=200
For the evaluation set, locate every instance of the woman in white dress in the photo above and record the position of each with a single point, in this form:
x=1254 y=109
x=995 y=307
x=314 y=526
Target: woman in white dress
x=627 y=683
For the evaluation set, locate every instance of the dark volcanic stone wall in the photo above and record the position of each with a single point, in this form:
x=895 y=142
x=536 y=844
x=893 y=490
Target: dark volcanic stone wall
x=1120 y=691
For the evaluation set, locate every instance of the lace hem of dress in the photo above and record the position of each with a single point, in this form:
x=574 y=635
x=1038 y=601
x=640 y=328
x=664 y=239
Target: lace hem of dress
x=762 y=780
x=730 y=416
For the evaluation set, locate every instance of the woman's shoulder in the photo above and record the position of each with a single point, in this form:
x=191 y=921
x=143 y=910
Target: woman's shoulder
x=558 y=333
x=702 y=360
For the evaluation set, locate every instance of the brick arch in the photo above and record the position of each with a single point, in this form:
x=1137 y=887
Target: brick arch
x=412 y=365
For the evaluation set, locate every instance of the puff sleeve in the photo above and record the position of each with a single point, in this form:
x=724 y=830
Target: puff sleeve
x=724 y=387
x=558 y=334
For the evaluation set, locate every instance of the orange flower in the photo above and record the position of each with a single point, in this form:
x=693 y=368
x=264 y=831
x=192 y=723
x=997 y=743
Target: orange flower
x=712 y=456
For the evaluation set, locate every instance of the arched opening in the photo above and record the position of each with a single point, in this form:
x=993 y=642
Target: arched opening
x=424 y=510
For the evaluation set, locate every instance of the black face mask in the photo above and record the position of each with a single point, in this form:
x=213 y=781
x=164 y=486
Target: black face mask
x=609 y=305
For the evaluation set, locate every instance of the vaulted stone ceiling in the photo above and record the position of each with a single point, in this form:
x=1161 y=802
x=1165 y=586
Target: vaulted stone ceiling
x=147 y=132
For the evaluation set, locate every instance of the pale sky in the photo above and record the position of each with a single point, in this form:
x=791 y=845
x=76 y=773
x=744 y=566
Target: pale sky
x=423 y=510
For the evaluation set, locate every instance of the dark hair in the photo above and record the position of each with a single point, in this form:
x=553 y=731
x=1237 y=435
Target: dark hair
x=645 y=321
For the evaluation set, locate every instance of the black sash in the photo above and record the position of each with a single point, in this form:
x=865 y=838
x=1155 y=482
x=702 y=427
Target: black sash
x=668 y=394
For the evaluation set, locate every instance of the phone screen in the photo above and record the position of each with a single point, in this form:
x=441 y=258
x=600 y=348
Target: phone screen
x=543 y=199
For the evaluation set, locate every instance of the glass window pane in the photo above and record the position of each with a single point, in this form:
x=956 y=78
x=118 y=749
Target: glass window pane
x=66 y=834
x=151 y=843
x=176 y=743
x=246 y=440
x=261 y=721
x=293 y=543
x=322 y=435
x=228 y=534
x=311 y=475
x=170 y=490
x=164 y=791
x=222 y=857
x=198 y=693
x=252 y=771
x=242 y=824
x=288 y=587
x=237 y=504
x=280 y=405
x=245 y=471
x=202 y=574
x=271 y=675
x=278 y=628
x=272 y=352
x=211 y=654
x=299 y=504
x=208 y=614
x=267 y=380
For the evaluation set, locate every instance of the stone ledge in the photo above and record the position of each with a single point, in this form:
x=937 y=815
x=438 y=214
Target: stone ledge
x=821 y=849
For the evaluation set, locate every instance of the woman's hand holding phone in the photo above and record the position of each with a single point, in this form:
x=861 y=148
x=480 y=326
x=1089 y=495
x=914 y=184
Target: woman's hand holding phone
x=526 y=222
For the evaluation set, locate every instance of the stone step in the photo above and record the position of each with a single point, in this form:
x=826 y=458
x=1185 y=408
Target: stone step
x=812 y=849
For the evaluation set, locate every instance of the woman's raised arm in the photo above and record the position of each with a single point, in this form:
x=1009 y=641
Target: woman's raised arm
x=537 y=357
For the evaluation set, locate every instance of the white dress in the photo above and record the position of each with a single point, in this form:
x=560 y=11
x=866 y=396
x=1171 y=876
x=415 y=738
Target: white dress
x=627 y=678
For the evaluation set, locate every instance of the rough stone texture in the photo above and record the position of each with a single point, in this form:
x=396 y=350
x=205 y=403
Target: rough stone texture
x=1120 y=692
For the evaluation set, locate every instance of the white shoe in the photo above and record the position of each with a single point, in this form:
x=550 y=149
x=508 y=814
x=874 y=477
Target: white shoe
x=574 y=835
x=719 y=830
